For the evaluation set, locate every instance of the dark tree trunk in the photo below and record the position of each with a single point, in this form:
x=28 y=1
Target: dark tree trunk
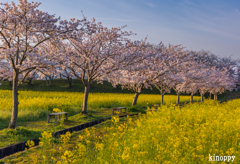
x=49 y=82
x=210 y=96
x=135 y=98
x=191 y=100
x=9 y=83
x=69 y=82
x=215 y=96
x=202 y=97
x=178 y=98
x=13 y=120
x=85 y=99
x=117 y=88
x=162 y=95
x=29 y=82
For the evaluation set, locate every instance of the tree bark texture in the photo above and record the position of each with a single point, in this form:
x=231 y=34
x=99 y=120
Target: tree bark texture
x=191 y=100
x=9 y=83
x=162 y=95
x=210 y=96
x=85 y=99
x=135 y=98
x=29 y=82
x=215 y=96
x=178 y=98
x=13 y=120
x=202 y=97
x=50 y=80
x=69 y=82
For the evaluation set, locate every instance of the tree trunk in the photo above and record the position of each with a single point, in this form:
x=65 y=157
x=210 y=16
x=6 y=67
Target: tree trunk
x=117 y=88
x=215 y=96
x=29 y=82
x=69 y=82
x=85 y=99
x=210 y=96
x=191 y=100
x=13 y=121
x=135 y=98
x=178 y=98
x=50 y=80
x=46 y=81
x=162 y=98
x=202 y=97
x=9 y=83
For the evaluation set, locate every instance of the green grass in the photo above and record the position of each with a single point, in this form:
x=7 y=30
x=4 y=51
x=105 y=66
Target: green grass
x=61 y=85
x=33 y=129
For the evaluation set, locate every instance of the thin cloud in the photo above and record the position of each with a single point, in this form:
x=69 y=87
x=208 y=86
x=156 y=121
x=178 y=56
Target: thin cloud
x=190 y=3
x=150 y=4
x=115 y=19
x=220 y=32
x=237 y=12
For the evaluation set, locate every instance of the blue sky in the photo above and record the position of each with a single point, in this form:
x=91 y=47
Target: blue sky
x=212 y=25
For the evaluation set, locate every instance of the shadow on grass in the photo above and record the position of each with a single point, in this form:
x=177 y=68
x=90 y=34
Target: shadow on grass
x=12 y=136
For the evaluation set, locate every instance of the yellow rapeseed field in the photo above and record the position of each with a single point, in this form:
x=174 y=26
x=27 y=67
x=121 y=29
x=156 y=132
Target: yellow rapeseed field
x=196 y=133
x=35 y=104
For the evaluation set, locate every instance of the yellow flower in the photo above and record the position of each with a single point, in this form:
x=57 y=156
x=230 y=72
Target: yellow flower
x=56 y=110
x=30 y=143
x=65 y=138
x=115 y=119
x=125 y=155
x=99 y=146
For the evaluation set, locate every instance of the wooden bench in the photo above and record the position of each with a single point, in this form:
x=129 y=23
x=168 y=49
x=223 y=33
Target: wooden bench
x=57 y=116
x=119 y=109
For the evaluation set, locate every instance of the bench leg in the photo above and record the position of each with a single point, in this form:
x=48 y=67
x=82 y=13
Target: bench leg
x=112 y=111
x=48 y=119
x=55 y=119
x=66 y=116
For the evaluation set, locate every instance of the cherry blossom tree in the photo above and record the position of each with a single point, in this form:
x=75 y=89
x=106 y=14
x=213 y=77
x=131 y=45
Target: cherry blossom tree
x=221 y=63
x=163 y=84
x=220 y=81
x=96 y=53
x=66 y=73
x=156 y=61
x=171 y=58
x=31 y=76
x=192 y=77
x=23 y=28
x=136 y=76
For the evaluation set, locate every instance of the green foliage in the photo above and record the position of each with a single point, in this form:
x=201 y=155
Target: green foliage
x=19 y=131
x=61 y=85
x=135 y=109
x=17 y=135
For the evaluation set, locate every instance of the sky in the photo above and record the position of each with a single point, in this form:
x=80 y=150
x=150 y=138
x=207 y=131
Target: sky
x=210 y=25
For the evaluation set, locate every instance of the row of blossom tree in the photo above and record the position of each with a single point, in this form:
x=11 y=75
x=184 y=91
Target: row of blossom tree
x=34 y=42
